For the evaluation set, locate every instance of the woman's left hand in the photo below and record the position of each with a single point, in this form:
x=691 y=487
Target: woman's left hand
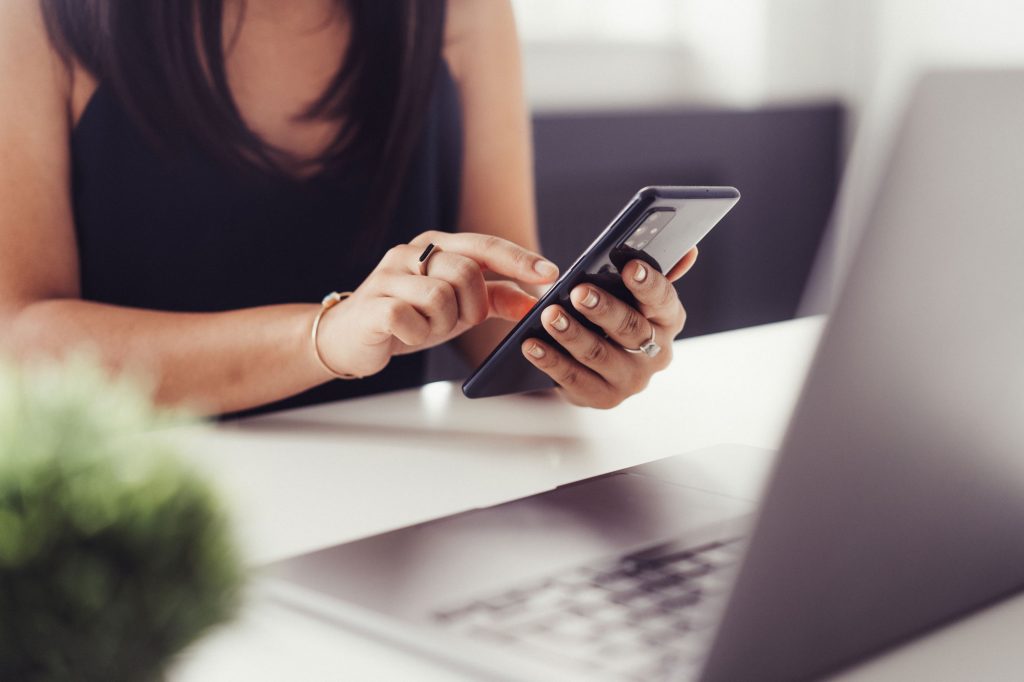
x=599 y=372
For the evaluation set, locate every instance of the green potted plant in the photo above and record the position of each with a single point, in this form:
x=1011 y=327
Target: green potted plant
x=114 y=555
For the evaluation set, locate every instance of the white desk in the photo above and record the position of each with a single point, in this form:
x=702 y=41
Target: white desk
x=318 y=476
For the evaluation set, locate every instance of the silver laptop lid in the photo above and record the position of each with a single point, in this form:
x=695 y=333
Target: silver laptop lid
x=897 y=502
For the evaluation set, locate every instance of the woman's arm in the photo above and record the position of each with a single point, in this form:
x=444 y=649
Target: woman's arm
x=497 y=175
x=219 y=362
x=207 y=359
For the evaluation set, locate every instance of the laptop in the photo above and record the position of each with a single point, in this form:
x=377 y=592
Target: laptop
x=895 y=504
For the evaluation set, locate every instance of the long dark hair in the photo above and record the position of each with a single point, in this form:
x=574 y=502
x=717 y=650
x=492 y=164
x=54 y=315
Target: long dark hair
x=164 y=60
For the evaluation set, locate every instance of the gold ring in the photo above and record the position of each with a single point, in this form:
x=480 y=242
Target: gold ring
x=650 y=347
x=424 y=259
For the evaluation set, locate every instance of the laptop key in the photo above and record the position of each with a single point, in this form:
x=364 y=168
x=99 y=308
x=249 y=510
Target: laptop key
x=680 y=602
x=624 y=617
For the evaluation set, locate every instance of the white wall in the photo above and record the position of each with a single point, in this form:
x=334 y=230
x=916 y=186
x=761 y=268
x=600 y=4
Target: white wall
x=617 y=54
x=585 y=54
x=601 y=53
x=902 y=38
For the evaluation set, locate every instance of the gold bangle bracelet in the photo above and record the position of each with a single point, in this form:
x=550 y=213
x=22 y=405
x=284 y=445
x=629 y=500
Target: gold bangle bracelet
x=330 y=300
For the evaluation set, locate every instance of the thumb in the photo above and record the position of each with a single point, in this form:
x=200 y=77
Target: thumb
x=507 y=301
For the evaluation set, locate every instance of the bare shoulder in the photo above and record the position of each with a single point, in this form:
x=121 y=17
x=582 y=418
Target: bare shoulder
x=38 y=258
x=21 y=22
x=27 y=57
x=474 y=26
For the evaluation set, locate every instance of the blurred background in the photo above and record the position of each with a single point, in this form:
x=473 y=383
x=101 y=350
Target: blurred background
x=776 y=97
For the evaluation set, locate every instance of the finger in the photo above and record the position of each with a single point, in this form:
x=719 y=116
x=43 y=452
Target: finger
x=404 y=258
x=397 y=318
x=656 y=298
x=622 y=323
x=508 y=302
x=580 y=383
x=589 y=349
x=683 y=266
x=432 y=298
x=467 y=280
x=494 y=253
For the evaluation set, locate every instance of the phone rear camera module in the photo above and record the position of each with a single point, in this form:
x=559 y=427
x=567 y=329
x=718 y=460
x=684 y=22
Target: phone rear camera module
x=648 y=229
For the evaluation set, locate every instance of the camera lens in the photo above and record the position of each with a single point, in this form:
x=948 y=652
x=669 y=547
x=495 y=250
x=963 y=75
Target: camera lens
x=648 y=228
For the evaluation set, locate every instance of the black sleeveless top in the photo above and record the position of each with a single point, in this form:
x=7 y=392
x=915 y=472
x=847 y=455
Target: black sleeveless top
x=190 y=234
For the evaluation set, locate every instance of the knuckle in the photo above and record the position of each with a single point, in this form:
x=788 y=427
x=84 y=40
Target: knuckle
x=570 y=376
x=439 y=296
x=506 y=248
x=393 y=254
x=668 y=294
x=427 y=237
x=392 y=313
x=519 y=257
x=596 y=353
x=633 y=382
x=466 y=271
x=490 y=243
x=630 y=326
x=634 y=378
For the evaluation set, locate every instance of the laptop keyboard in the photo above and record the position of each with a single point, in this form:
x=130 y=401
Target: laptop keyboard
x=639 y=617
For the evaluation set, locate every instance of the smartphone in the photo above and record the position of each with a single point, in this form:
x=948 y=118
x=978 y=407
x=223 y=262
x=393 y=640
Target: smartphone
x=659 y=225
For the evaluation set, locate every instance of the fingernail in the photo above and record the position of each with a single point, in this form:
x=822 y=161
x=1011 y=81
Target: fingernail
x=536 y=351
x=560 y=323
x=546 y=268
x=591 y=299
x=640 y=274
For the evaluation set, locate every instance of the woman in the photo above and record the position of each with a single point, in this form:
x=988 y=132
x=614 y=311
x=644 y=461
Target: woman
x=183 y=179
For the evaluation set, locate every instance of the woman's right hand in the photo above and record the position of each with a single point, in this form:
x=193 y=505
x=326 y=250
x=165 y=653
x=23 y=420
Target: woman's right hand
x=397 y=310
